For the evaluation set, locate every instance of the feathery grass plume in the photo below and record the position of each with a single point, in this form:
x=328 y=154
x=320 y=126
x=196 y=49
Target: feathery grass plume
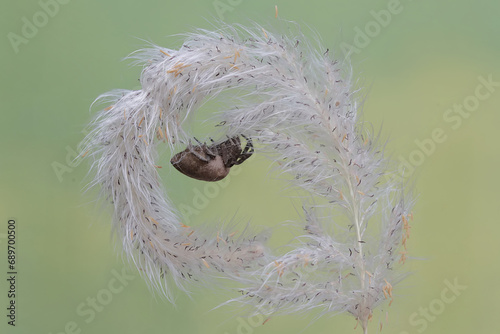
x=300 y=106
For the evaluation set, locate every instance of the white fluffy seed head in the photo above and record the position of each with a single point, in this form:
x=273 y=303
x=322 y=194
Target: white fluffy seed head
x=300 y=105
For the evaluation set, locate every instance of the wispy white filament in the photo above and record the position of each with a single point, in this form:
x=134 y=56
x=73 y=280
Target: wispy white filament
x=299 y=105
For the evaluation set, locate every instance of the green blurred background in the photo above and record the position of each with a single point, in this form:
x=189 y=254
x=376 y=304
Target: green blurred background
x=426 y=59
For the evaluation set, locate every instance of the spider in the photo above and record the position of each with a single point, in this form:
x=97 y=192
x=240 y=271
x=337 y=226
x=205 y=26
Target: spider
x=212 y=163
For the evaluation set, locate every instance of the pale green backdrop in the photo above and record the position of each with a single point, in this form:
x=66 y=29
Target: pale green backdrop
x=416 y=65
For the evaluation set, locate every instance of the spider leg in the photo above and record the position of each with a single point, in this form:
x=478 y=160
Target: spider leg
x=203 y=148
x=246 y=153
x=200 y=156
x=248 y=147
x=211 y=151
x=199 y=142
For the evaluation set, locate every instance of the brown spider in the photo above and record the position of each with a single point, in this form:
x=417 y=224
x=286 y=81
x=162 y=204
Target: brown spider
x=212 y=163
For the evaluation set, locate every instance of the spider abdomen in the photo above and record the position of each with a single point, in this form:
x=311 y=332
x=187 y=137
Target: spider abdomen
x=190 y=165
